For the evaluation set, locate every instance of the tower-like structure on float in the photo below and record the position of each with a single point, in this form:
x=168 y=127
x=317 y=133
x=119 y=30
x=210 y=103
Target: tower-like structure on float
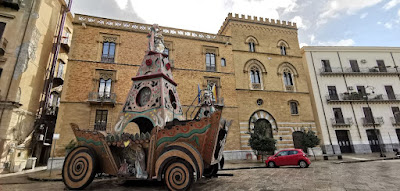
x=153 y=99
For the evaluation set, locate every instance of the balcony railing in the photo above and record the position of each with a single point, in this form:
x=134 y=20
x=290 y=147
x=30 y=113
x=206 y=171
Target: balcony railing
x=108 y=59
x=14 y=4
x=96 y=97
x=256 y=86
x=369 y=121
x=3 y=46
x=356 y=97
x=289 y=88
x=342 y=122
x=349 y=70
x=395 y=121
x=211 y=68
x=100 y=126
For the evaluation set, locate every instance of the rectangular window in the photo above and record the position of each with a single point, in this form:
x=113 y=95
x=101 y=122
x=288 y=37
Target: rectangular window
x=60 y=69
x=105 y=88
x=381 y=66
x=327 y=65
x=338 y=115
x=101 y=120
x=293 y=108
x=108 y=54
x=213 y=85
x=251 y=47
x=361 y=92
x=354 y=66
x=210 y=62
x=2 y=27
x=368 y=114
x=390 y=92
x=396 y=114
x=333 y=93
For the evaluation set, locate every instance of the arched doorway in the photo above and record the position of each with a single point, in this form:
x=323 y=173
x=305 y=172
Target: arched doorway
x=262 y=117
x=298 y=140
x=265 y=124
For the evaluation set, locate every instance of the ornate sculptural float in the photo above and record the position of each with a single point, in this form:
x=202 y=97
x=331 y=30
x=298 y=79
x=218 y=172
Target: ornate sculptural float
x=167 y=148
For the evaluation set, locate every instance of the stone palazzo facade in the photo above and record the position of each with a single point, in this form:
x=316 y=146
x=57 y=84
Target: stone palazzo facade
x=255 y=64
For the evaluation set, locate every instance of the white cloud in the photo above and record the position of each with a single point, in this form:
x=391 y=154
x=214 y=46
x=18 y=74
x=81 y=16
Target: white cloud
x=391 y=4
x=398 y=13
x=312 y=38
x=344 y=42
x=388 y=25
x=206 y=15
x=299 y=21
x=303 y=44
x=362 y=16
x=334 y=8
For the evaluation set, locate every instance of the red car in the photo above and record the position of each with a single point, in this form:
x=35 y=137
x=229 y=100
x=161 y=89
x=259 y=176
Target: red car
x=288 y=157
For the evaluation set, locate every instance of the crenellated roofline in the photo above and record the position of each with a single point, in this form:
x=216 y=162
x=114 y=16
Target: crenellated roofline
x=145 y=28
x=256 y=20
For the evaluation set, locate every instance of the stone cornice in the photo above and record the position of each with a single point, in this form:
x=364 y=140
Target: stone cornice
x=145 y=28
x=349 y=49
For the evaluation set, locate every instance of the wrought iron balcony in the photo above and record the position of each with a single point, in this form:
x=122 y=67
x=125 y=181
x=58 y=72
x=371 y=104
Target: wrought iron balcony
x=100 y=126
x=256 y=86
x=349 y=70
x=289 y=88
x=103 y=98
x=356 y=97
x=342 y=121
x=372 y=121
x=52 y=111
x=107 y=59
x=395 y=121
x=3 y=46
x=211 y=68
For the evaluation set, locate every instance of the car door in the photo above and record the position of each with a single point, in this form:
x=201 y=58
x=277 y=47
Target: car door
x=292 y=158
x=281 y=159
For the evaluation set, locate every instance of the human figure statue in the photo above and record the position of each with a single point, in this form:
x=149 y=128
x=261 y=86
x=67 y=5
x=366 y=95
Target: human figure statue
x=156 y=39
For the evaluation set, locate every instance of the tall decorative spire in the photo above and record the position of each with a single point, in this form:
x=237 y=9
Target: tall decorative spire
x=156 y=40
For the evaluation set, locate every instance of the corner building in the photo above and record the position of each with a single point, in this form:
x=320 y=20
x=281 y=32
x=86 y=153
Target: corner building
x=255 y=65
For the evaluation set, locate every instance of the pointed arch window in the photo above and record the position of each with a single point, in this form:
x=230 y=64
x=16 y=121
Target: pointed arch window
x=294 y=108
x=283 y=50
x=288 y=80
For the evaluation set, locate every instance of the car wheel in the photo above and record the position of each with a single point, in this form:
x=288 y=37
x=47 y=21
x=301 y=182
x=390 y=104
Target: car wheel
x=303 y=164
x=271 y=164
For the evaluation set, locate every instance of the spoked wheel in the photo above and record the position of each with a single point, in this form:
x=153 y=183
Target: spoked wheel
x=79 y=168
x=179 y=175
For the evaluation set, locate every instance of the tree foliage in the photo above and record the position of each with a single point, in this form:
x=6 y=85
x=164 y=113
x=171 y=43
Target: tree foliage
x=310 y=140
x=260 y=140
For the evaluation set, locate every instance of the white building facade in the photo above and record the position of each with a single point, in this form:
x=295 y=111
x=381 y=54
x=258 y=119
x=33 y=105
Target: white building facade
x=356 y=97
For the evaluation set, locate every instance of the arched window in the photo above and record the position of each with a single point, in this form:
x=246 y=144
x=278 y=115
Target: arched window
x=252 y=42
x=283 y=46
x=223 y=62
x=255 y=75
x=293 y=108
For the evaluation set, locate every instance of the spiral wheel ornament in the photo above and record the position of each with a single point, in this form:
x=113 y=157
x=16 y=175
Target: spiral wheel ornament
x=79 y=168
x=178 y=175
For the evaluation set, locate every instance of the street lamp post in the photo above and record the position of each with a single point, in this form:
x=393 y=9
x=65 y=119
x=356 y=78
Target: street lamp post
x=373 y=122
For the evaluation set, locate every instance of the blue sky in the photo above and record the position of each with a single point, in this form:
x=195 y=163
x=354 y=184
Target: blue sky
x=320 y=22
